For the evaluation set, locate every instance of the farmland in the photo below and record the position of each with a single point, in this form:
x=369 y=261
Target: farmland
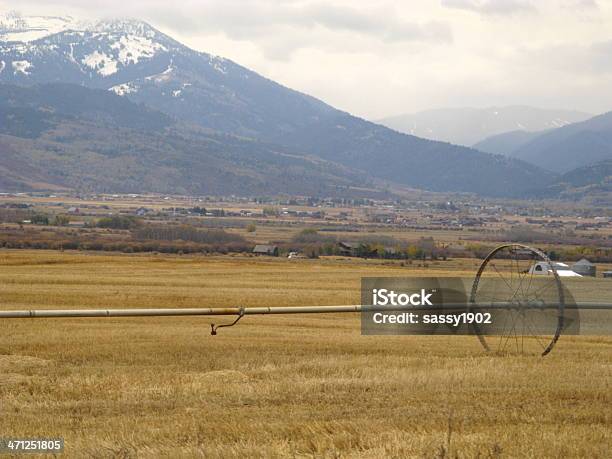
x=301 y=386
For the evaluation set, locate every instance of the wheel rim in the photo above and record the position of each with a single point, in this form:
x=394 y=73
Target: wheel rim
x=533 y=304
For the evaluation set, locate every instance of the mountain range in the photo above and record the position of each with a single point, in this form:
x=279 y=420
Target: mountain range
x=135 y=61
x=559 y=150
x=118 y=105
x=468 y=126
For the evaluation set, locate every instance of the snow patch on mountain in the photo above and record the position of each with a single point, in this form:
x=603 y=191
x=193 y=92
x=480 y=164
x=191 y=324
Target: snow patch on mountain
x=132 y=48
x=558 y=122
x=71 y=54
x=219 y=67
x=161 y=77
x=15 y=27
x=218 y=63
x=2 y=65
x=26 y=36
x=124 y=89
x=21 y=67
x=102 y=63
x=123 y=26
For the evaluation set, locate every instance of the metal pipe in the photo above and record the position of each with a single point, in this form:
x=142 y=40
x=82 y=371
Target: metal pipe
x=57 y=313
x=165 y=312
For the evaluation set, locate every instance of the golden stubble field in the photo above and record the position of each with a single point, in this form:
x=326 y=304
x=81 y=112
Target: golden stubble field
x=283 y=386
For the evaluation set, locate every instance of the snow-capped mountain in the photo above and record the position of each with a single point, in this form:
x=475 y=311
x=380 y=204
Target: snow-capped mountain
x=132 y=59
x=94 y=53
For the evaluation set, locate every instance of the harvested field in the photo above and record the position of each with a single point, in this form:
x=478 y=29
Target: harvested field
x=297 y=386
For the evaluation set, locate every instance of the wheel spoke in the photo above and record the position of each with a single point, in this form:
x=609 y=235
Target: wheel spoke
x=500 y=275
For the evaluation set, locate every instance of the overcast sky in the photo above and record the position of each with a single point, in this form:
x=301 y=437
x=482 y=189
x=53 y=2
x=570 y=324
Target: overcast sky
x=380 y=58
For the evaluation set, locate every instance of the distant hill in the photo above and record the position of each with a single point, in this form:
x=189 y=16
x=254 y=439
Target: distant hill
x=570 y=147
x=62 y=136
x=593 y=182
x=132 y=59
x=18 y=171
x=468 y=126
x=507 y=143
x=597 y=174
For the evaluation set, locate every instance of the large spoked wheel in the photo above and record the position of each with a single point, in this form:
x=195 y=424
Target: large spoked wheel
x=522 y=288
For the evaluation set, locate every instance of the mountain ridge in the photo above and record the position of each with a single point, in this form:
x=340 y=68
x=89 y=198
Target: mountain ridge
x=558 y=150
x=576 y=145
x=506 y=143
x=592 y=182
x=468 y=125
x=77 y=139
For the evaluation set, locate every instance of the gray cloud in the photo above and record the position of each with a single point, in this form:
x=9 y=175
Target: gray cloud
x=258 y=19
x=572 y=59
x=381 y=23
x=583 y=4
x=300 y=25
x=491 y=7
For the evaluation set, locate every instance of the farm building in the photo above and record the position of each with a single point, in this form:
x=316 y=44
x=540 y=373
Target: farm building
x=607 y=274
x=562 y=269
x=263 y=249
x=585 y=268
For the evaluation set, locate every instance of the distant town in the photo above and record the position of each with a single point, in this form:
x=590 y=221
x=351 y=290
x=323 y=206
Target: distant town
x=430 y=227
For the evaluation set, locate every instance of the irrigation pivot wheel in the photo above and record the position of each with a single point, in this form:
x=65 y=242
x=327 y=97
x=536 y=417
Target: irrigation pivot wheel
x=523 y=289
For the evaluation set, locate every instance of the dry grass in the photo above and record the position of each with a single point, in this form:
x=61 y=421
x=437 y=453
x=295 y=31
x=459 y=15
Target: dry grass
x=298 y=386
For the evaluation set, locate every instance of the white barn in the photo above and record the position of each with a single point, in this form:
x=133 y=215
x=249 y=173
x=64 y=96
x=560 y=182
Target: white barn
x=543 y=267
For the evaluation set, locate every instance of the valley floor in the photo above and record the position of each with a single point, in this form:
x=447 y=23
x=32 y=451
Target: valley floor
x=285 y=386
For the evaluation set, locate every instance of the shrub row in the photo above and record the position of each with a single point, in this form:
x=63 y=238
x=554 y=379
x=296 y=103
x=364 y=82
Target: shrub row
x=126 y=247
x=187 y=233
